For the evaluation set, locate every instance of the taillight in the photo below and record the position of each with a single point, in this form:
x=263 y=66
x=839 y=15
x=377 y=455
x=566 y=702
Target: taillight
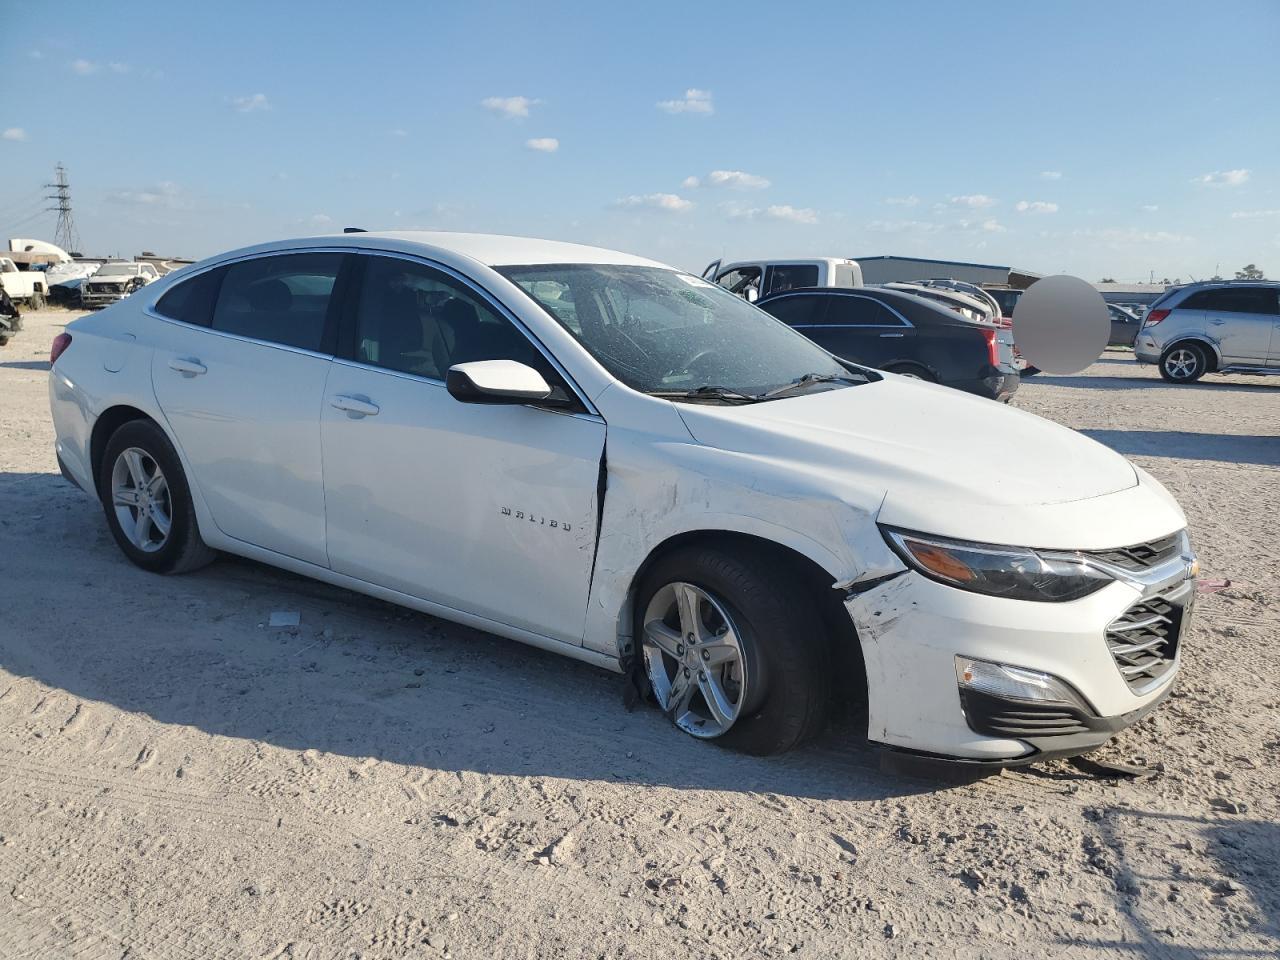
x=1154 y=317
x=993 y=350
x=60 y=344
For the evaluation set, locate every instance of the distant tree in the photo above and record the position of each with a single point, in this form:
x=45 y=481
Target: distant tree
x=1107 y=280
x=1250 y=272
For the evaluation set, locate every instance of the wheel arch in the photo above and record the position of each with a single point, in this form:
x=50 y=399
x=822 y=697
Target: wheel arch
x=107 y=423
x=1215 y=353
x=819 y=582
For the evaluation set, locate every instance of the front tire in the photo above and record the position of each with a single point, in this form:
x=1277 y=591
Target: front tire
x=1184 y=363
x=734 y=649
x=147 y=502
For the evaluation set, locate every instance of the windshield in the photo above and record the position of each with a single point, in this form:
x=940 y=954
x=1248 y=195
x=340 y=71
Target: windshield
x=117 y=270
x=670 y=334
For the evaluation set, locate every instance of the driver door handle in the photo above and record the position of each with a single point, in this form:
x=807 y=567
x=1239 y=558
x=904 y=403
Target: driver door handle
x=883 y=335
x=355 y=407
x=188 y=366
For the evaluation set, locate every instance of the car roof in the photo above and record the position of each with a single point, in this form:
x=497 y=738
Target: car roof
x=898 y=297
x=493 y=250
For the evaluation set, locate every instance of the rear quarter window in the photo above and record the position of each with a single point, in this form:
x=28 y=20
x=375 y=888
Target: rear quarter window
x=192 y=300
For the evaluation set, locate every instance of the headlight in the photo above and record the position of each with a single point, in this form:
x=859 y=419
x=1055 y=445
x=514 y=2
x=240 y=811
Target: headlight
x=1015 y=572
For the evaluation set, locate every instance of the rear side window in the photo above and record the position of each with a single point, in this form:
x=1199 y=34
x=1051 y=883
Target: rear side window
x=282 y=299
x=797 y=310
x=1233 y=300
x=792 y=276
x=191 y=301
x=860 y=312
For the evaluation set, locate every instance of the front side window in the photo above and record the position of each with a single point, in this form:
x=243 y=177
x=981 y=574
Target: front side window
x=283 y=299
x=797 y=310
x=791 y=276
x=414 y=319
x=745 y=282
x=668 y=333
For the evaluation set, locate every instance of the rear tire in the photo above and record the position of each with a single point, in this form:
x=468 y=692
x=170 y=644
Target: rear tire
x=777 y=685
x=1184 y=363
x=147 y=501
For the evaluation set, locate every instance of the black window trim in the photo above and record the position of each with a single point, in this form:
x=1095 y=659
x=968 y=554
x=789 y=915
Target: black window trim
x=328 y=337
x=825 y=294
x=346 y=340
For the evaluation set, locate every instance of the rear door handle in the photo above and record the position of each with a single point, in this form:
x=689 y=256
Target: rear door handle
x=188 y=366
x=883 y=335
x=355 y=407
x=1217 y=322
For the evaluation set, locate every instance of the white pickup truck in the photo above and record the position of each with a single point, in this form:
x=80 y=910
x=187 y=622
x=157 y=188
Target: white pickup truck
x=23 y=286
x=753 y=279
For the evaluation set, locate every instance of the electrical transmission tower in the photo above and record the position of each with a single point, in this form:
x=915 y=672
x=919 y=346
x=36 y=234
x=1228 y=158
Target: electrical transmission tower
x=65 y=234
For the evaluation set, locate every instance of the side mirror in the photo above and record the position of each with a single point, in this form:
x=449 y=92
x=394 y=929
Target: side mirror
x=496 y=381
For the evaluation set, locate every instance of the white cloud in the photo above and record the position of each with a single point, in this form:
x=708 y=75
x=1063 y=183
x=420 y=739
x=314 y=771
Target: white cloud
x=1222 y=178
x=693 y=101
x=1238 y=215
x=319 y=219
x=256 y=101
x=1050 y=174
x=165 y=195
x=14 y=133
x=690 y=183
x=36 y=55
x=993 y=226
x=1128 y=236
x=974 y=201
x=1036 y=206
x=903 y=226
x=543 y=144
x=736 y=179
x=792 y=214
x=509 y=107
x=399 y=132
x=657 y=201
x=1150 y=207
x=907 y=201
x=117 y=67
x=84 y=67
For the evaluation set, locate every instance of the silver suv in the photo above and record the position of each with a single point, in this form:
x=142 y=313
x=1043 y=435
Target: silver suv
x=1213 y=327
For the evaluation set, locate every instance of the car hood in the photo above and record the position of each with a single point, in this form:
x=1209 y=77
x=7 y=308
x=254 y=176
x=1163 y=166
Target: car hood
x=921 y=447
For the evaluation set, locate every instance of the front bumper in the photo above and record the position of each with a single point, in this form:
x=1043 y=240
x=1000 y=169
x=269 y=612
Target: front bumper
x=912 y=629
x=102 y=299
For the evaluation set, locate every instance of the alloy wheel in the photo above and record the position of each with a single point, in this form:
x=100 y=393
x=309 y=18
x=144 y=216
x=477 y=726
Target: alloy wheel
x=694 y=657
x=141 y=500
x=1182 y=364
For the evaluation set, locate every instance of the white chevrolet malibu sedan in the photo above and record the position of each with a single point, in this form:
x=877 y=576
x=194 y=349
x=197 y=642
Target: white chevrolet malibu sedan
x=609 y=458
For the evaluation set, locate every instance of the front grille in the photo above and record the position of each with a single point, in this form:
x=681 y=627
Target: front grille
x=1140 y=556
x=1144 y=639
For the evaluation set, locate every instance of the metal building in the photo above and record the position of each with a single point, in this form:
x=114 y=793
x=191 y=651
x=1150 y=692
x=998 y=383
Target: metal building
x=891 y=269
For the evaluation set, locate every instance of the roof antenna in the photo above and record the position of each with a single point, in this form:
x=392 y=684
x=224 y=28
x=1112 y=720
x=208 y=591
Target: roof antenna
x=354 y=230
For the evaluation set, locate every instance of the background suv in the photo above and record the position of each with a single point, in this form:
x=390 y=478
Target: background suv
x=1213 y=327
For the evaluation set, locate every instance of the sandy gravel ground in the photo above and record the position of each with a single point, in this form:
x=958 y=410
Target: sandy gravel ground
x=178 y=781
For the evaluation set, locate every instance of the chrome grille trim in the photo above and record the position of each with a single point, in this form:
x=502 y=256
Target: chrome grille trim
x=1144 y=641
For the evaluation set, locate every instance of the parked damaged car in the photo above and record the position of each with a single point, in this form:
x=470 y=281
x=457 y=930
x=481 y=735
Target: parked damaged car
x=614 y=460
x=114 y=281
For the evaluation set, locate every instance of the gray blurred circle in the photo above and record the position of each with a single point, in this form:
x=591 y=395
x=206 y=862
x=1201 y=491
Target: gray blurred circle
x=1061 y=324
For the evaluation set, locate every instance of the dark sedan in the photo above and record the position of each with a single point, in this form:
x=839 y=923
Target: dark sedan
x=900 y=333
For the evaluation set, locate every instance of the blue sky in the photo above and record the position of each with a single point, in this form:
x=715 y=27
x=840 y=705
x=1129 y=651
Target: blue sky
x=1103 y=139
